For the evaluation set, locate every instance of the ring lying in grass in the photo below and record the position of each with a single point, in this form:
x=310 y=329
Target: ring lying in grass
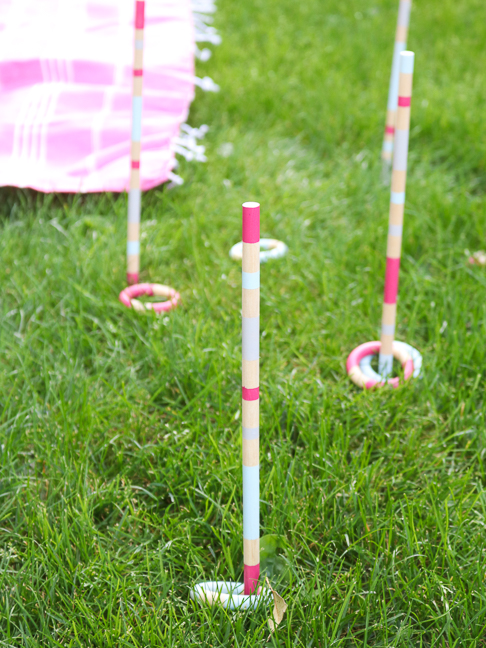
x=360 y=371
x=478 y=258
x=127 y=297
x=229 y=595
x=269 y=249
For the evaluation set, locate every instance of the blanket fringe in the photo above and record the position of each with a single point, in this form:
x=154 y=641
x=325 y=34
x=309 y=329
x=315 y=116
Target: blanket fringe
x=186 y=144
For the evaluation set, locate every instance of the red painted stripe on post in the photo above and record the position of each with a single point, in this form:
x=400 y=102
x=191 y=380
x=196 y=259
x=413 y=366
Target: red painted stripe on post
x=139 y=14
x=391 y=280
x=137 y=72
x=251 y=574
x=251 y=224
x=390 y=130
x=404 y=102
x=250 y=394
x=135 y=164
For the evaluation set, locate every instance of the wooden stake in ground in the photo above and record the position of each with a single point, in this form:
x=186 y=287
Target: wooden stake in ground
x=400 y=45
x=251 y=394
x=134 y=194
x=397 y=206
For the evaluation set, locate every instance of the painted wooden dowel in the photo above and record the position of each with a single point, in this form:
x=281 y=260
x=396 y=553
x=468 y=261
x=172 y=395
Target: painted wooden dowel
x=134 y=194
x=251 y=394
x=397 y=206
x=400 y=46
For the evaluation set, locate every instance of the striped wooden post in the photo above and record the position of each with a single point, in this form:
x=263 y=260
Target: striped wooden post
x=397 y=206
x=134 y=194
x=251 y=394
x=400 y=45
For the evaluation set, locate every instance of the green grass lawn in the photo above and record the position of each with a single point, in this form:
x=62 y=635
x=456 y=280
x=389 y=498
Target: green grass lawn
x=120 y=455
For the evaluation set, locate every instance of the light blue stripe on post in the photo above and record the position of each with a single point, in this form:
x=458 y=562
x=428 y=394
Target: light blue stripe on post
x=138 y=44
x=133 y=247
x=388 y=329
x=250 y=338
x=251 y=502
x=401 y=150
x=136 y=119
x=388 y=147
x=404 y=13
x=406 y=62
x=250 y=280
x=398 y=198
x=385 y=365
x=251 y=433
x=395 y=230
x=393 y=90
x=134 y=205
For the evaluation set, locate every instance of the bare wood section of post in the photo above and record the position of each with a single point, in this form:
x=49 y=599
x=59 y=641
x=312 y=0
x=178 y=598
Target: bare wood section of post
x=251 y=303
x=250 y=452
x=251 y=414
x=251 y=551
x=251 y=373
x=251 y=257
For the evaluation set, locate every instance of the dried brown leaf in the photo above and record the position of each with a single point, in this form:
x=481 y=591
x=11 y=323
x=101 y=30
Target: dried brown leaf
x=279 y=607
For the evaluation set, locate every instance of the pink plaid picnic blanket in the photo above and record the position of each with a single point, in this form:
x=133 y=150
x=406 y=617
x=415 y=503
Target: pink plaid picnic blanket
x=66 y=90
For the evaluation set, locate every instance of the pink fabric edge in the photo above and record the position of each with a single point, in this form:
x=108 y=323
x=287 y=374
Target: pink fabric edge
x=81 y=178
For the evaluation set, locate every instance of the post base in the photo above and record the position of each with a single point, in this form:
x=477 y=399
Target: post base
x=229 y=595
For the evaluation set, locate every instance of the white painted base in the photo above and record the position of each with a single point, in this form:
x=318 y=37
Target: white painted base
x=229 y=595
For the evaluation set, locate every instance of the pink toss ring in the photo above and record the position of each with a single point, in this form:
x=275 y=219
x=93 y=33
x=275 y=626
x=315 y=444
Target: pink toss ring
x=128 y=297
x=369 y=378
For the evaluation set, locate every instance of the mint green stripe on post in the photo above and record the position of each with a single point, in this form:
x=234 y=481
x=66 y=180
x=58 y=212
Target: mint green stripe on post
x=133 y=247
x=385 y=365
x=398 y=197
x=395 y=230
x=251 y=502
x=250 y=280
x=250 y=333
x=388 y=329
x=251 y=433
x=136 y=119
x=393 y=91
x=134 y=205
x=406 y=62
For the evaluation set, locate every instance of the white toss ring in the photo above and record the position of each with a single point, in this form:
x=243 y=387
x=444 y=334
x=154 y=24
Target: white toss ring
x=229 y=595
x=369 y=372
x=269 y=249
